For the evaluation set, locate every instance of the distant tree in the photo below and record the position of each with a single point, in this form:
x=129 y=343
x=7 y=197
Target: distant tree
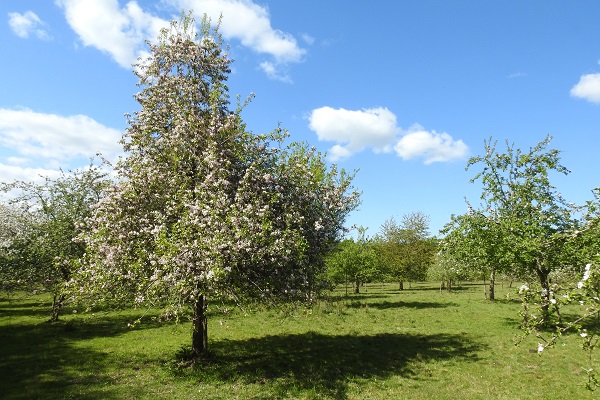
x=354 y=261
x=39 y=225
x=448 y=270
x=204 y=209
x=406 y=249
x=477 y=241
x=17 y=226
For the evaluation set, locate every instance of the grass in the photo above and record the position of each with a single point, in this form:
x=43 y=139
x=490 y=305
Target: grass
x=380 y=344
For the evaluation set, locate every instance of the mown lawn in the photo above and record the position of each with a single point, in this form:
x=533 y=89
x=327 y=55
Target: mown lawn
x=419 y=343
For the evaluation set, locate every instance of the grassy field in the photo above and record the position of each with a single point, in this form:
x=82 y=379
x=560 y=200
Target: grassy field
x=380 y=344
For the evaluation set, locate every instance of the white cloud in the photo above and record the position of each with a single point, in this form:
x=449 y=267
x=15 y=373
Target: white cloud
x=54 y=139
x=431 y=146
x=10 y=173
x=588 y=88
x=250 y=23
x=356 y=130
x=27 y=24
x=376 y=128
x=120 y=32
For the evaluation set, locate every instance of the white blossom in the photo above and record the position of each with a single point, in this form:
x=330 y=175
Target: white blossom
x=523 y=289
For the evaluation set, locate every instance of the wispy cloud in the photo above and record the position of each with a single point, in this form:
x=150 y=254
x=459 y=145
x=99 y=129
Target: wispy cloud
x=376 y=128
x=587 y=88
x=308 y=39
x=275 y=72
x=517 y=75
x=27 y=24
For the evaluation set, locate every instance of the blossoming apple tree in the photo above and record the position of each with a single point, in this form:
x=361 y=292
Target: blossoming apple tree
x=38 y=225
x=203 y=209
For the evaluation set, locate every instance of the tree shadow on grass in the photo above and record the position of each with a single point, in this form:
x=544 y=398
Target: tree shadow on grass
x=463 y=287
x=355 y=297
x=292 y=365
x=402 y=304
x=16 y=308
x=42 y=361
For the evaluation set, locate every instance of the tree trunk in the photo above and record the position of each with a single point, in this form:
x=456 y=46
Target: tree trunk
x=484 y=287
x=200 y=331
x=545 y=284
x=357 y=287
x=492 y=283
x=57 y=303
x=346 y=280
x=401 y=286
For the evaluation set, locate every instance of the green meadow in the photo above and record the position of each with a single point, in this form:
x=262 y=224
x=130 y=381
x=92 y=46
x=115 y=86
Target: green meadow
x=383 y=343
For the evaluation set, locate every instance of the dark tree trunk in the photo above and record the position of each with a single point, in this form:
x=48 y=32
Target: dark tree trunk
x=357 y=287
x=545 y=284
x=57 y=303
x=492 y=283
x=401 y=285
x=59 y=299
x=200 y=331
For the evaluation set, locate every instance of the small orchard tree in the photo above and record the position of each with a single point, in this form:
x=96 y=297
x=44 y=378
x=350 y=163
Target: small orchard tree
x=406 y=249
x=202 y=208
x=478 y=242
x=530 y=216
x=39 y=227
x=448 y=270
x=354 y=261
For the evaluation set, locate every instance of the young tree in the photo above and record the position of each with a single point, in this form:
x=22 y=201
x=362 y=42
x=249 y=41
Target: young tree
x=354 y=261
x=477 y=240
x=526 y=222
x=448 y=270
x=204 y=209
x=39 y=226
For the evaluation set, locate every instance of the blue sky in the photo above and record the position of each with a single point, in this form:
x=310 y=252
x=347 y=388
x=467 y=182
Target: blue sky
x=403 y=91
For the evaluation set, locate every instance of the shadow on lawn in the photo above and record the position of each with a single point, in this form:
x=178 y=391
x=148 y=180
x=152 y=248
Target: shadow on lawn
x=16 y=308
x=324 y=365
x=355 y=297
x=39 y=360
x=402 y=304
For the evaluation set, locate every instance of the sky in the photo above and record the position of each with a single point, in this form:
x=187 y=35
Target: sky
x=403 y=92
